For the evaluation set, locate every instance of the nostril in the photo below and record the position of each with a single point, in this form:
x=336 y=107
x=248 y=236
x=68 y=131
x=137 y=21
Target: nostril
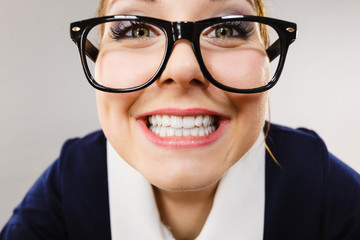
x=168 y=81
x=196 y=82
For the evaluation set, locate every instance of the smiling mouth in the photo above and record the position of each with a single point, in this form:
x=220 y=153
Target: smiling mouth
x=178 y=126
x=183 y=128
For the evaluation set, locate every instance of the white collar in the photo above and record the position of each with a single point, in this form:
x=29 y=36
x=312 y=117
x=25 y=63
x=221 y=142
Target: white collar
x=237 y=212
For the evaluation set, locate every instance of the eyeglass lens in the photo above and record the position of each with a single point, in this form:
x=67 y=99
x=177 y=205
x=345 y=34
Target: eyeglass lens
x=131 y=52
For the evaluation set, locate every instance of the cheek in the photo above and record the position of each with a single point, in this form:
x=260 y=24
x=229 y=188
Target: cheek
x=244 y=68
x=250 y=117
x=126 y=68
x=112 y=107
x=115 y=111
x=251 y=107
x=253 y=69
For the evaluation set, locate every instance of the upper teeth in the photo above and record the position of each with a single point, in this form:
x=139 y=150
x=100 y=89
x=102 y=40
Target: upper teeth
x=165 y=125
x=181 y=122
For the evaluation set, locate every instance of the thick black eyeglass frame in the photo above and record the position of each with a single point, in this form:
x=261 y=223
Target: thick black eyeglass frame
x=190 y=31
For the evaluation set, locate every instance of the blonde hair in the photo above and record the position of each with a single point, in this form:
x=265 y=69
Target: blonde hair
x=102 y=9
x=261 y=11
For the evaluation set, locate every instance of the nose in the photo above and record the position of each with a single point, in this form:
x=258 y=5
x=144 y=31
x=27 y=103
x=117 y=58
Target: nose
x=182 y=69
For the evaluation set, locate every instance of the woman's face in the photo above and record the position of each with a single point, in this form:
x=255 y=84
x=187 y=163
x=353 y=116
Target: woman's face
x=179 y=163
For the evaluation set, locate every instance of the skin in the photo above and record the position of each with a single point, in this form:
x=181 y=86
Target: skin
x=184 y=179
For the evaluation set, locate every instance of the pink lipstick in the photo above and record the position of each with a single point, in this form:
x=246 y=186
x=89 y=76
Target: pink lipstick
x=183 y=128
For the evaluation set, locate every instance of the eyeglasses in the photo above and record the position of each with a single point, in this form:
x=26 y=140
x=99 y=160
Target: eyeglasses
x=236 y=53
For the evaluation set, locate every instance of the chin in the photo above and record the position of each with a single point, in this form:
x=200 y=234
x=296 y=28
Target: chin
x=189 y=184
x=183 y=175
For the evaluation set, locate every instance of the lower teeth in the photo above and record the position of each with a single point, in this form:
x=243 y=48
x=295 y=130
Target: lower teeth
x=163 y=131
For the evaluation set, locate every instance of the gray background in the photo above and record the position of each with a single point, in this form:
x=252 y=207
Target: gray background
x=45 y=99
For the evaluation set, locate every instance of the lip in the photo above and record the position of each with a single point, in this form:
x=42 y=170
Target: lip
x=185 y=141
x=183 y=112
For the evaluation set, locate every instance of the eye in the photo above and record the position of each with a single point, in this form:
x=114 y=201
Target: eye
x=223 y=32
x=139 y=32
x=132 y=30
x=227 y=30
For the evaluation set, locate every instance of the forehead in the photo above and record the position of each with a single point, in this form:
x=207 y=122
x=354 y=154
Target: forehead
x=110 y=2
x=246 y=7
x=249 y=1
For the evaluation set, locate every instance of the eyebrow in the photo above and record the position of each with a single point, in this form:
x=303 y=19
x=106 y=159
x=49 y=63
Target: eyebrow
x=249 y=1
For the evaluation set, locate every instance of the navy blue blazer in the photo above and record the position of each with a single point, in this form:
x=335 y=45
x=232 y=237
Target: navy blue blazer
x=312 y=195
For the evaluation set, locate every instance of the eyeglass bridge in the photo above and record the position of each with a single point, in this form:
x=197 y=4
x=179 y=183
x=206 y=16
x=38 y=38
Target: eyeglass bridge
x=182 y=30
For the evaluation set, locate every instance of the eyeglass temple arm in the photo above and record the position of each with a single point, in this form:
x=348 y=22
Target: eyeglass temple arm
x=91 y=51
x=274 y=50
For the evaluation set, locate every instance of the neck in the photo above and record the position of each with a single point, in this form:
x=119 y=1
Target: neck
x=185 y=213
